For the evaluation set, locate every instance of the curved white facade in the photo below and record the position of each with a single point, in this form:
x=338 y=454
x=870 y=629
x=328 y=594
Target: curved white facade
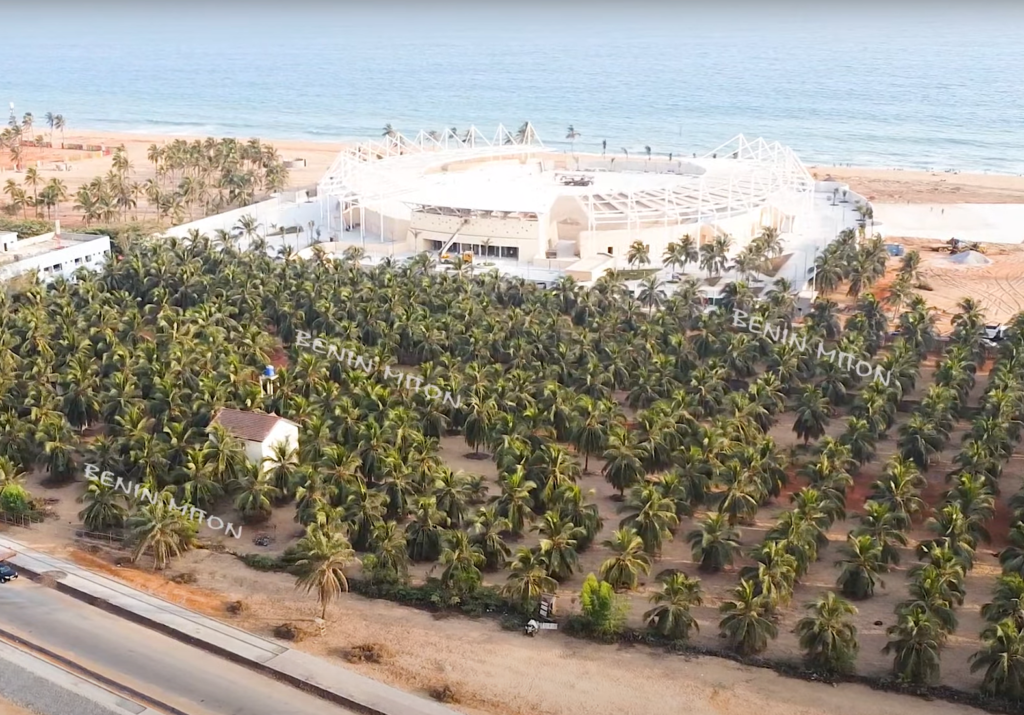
x=511 y=197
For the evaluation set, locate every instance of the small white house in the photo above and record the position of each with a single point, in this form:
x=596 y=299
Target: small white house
x=51 y=254
x=258 y=432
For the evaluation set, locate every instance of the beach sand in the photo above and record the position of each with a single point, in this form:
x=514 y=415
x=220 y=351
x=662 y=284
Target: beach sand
x=887 y=185
x=926 y=187
x=319 y=158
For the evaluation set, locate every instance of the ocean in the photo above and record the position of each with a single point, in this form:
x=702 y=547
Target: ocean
x=841 y=85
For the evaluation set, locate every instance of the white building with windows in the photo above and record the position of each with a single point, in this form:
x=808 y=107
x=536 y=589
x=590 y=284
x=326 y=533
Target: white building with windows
x=51 y=254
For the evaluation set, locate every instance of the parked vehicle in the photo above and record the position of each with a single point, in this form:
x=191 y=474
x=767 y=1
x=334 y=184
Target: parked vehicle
x=7 y=573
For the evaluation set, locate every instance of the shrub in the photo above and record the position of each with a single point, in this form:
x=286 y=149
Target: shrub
x=15 y=500
x=289 y=632
x=366 y=653
x=443 y=693
x=604 y=613
x=236 y=607
x=26 y=228
x=262 y=562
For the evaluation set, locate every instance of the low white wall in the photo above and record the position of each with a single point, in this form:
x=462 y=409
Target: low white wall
x=279 y=211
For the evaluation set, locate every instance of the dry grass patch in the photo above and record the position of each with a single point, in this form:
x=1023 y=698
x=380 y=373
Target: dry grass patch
x=444 y=693
x=366 y=653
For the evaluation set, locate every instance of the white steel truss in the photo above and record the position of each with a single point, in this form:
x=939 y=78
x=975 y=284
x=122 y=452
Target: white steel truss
x=739 y=177
x=394 y=165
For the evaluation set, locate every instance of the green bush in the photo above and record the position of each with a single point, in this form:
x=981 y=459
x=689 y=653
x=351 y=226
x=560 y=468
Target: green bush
x=26 y=228
x=433 y=596
x=15 y=500
x=262 y=562
x=604 y=613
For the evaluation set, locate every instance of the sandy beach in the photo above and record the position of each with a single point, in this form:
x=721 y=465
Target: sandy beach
x=318 y=156
x=926 y=187
x=884 y=185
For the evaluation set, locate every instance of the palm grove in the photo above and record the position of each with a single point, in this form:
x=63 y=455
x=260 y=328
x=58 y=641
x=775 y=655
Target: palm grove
x=189 y=180
x=673 y=406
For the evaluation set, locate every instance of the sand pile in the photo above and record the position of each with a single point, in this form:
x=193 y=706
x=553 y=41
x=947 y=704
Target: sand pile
x=969 y=258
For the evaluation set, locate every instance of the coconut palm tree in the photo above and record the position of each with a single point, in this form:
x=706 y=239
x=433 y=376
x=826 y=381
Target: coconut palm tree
x=915 y=640
x=679 y=254
x=827 y=637
x=882 y=524
x=715 y=544
x=746 y=624
x=861 y=567
x=320 y=559
x=389 y=562
x=1012 y=557
x=1002 y=659
x=528 y=579
x=572 y=135
x=462 y=560
x=256 y=493
x=1007 y=600
x=652 y=516
x=558 y=545
x=158 y=528
x=671 y=617
x=639 y=254
x=59 y=123
x=105 y=507
x=813 y=413
x=622 y=570
x=486 y=532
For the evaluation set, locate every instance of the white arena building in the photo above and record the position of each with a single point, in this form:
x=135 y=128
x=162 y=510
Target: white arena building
x=540 y=213
x=509 y=197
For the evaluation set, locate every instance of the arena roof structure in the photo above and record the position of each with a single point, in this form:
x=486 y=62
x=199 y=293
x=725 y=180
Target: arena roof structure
x=423 y=173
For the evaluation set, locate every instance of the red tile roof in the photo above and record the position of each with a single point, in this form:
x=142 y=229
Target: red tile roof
x=250 y=426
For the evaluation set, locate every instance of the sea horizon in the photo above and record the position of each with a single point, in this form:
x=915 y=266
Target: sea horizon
x=937 y=92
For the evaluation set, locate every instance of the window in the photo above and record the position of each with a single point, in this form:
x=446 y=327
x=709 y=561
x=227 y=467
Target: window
x=78 y=261
x=510 y=252
x=610 y=251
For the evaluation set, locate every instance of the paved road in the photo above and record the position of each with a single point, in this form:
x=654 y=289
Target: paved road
x=170 y=671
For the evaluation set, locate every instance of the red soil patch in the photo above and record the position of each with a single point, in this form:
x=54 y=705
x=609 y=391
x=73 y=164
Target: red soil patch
x=154 y=582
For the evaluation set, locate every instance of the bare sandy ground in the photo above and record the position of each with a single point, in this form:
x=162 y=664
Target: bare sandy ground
x=998 y=287
x=927 y=187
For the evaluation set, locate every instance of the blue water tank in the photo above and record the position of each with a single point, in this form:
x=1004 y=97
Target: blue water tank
x=269 y=372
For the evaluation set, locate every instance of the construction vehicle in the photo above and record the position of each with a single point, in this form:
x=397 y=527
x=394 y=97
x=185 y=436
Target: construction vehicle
x=467 y=257
x=955 y=246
